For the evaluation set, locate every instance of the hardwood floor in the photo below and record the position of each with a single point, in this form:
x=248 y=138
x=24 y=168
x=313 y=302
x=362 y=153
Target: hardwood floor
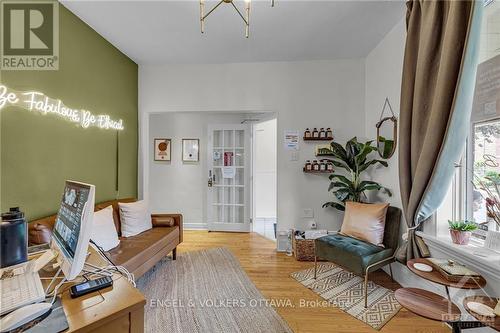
x=270 y=272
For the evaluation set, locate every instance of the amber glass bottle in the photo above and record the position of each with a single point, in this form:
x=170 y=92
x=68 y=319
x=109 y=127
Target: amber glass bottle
x=308 y=166
x=329 y=133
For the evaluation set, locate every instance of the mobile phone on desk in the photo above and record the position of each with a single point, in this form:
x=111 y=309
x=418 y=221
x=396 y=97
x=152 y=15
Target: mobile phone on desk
x=87 y=287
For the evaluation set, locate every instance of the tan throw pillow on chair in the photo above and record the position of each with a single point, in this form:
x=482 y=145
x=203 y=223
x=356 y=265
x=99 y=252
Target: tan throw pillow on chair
x=365 y=221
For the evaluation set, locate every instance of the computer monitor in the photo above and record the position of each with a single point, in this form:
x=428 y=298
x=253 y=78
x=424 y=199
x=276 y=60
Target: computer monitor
x=73 y=226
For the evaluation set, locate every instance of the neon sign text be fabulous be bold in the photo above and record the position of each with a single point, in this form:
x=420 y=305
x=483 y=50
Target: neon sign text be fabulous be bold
x=36 y=101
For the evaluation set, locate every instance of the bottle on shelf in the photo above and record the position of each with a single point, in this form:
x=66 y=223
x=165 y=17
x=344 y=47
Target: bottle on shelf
x=308 y=166
x=322 y=166
x=315 y=133
x=322 y=133
x=307 y=133
x=315 y=165
x=329 y=166
x=329 y=133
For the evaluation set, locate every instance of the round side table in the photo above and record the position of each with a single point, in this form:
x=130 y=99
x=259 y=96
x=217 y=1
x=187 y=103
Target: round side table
x=436 y=277
x=427 y=304
x=431 y=305
x=493 y=322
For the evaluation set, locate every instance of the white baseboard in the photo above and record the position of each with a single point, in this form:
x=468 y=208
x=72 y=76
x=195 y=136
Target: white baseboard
x=195 y=226
x=273 y=218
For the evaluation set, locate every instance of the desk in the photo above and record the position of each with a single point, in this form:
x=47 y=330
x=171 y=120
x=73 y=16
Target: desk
x=119 y=309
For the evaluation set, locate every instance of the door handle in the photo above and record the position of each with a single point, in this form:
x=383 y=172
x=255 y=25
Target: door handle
x=210 y=181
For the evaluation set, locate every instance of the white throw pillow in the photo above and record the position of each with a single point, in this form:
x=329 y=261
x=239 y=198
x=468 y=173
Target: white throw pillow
x=103 y=230
x=135 y=218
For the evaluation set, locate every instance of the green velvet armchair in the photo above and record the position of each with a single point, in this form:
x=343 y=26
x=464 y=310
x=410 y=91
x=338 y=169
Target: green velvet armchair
x=358 y=256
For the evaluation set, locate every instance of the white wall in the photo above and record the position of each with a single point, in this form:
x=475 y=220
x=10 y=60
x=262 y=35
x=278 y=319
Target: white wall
x=383 y=68
x=303 y=94
x=264 y=168
x=176 y=186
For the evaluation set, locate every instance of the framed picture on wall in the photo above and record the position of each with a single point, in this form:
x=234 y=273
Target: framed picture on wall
x=190 y=150
x=163 y=150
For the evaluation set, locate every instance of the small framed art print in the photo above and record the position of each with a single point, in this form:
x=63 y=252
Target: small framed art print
x=190 y=150
x=163 y=149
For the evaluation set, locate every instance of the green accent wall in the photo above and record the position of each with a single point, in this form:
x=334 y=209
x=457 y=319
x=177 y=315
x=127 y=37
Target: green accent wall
x=39 y=152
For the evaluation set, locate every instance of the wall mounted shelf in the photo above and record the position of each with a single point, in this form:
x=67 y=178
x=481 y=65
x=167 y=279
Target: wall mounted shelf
x=317 y=139
x=317 y=172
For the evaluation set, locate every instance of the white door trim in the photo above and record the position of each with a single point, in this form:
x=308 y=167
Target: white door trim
x=215 y=208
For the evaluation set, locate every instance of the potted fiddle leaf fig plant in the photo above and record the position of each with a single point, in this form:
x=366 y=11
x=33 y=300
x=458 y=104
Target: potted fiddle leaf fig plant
x=355 y=161
x=460 y=231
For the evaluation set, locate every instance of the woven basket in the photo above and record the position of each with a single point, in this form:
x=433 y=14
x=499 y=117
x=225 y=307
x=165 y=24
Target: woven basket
x=303 y=249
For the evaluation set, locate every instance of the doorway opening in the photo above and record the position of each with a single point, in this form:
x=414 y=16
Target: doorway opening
x=231 y=186
x=264 y=170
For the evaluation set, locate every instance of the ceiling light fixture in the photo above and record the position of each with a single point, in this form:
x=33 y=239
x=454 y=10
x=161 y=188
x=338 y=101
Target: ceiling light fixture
x=246 y=18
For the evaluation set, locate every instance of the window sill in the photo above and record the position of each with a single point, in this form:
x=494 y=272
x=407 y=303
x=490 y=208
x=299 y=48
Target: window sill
x=488 y=263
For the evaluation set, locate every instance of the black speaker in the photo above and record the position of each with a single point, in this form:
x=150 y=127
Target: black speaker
x=13 y=238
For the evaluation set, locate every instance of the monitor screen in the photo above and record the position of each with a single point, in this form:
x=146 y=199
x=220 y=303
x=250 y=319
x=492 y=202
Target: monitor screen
x=69 y=218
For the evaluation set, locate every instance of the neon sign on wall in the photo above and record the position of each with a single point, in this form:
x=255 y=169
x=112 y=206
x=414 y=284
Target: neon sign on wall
x=36 y=101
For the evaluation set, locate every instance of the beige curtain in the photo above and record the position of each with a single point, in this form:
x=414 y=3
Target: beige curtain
x=435 y=53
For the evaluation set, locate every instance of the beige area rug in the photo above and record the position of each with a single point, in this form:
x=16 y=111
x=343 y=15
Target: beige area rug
x=345 y=290
x=205 y=291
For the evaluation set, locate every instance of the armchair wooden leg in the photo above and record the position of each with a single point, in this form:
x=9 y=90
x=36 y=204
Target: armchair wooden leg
x=390 y=270
x=366 y=289
x=174 y=254
x=315 y=266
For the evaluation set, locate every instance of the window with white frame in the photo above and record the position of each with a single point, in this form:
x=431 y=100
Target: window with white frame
x=477 y=176
x=484 y=178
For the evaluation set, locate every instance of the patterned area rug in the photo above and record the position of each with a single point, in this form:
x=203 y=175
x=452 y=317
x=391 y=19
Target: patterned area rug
x=205 y=291
x=345 y=290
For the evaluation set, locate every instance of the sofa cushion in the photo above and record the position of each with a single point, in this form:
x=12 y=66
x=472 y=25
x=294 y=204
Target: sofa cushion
x=103 y=229
x=349 y=252
x=116 y=210
x=135 y=218
x=135 y=250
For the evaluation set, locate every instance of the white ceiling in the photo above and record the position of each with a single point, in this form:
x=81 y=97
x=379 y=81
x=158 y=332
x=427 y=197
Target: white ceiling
x=165 y=32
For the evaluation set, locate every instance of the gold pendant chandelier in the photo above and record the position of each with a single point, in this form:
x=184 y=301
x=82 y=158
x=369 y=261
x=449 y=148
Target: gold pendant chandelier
x=246 y=18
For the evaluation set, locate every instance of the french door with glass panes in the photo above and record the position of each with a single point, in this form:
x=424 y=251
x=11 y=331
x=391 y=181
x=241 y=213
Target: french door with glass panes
x=228 y=178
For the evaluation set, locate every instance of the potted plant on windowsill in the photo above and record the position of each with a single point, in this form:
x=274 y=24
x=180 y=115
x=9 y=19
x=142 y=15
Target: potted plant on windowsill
x=460 y=231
